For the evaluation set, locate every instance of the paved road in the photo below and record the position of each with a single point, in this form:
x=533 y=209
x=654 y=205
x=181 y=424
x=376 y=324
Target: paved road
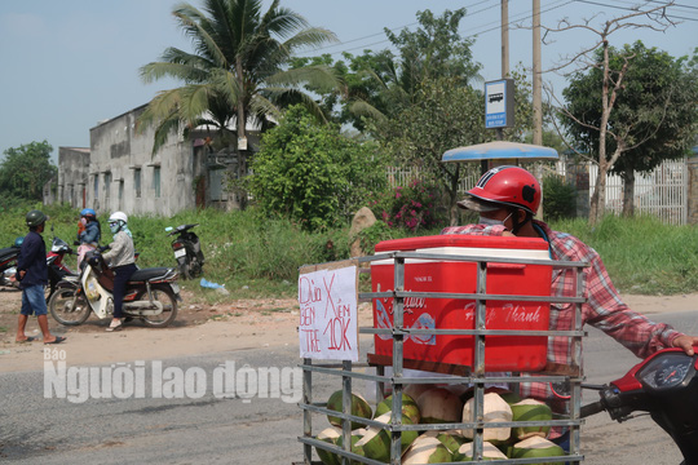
x=261 y=429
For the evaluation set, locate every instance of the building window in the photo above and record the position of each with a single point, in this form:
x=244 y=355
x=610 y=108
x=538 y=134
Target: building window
x=137 y=182
x=156 y=181
x=107 y=185
x=121 y=190
x=96 y=186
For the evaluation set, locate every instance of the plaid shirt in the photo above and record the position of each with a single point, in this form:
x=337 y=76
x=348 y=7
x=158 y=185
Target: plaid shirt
x=603 y=309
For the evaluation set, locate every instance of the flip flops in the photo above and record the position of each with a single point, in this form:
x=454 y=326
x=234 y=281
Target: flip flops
x=28 y=339
x=114 y=326
x=58 y=340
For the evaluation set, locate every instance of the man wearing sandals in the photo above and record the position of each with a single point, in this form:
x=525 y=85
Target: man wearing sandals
x=32 y=274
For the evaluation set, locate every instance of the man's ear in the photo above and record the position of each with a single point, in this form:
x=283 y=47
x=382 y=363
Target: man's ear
x=521 y=215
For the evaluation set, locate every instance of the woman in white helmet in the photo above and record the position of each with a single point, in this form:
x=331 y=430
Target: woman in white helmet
x=121 y=259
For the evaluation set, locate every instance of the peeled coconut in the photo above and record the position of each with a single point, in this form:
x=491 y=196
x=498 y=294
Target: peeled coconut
x=426 y=449
x=452 y=439
x=510 y=397
x=359 y=408
x=531 y=410
x=330 y=435
x=495 y=410
x=416 y=390
x=410 y=409
x=536 y=446
x=439 y=405
x=489 y=452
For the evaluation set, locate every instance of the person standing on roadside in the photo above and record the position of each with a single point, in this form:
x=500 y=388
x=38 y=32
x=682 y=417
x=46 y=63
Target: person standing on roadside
x=32 y=274
x=121 y=258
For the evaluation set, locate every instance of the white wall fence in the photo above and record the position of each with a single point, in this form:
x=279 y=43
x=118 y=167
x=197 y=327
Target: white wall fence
x=662 y=193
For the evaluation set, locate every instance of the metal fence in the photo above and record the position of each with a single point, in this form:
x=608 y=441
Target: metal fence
x=662 y=193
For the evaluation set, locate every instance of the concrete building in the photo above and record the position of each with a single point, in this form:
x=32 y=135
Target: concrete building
x=119 y=171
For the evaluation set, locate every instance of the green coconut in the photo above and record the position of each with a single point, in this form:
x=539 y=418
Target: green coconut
x=359 y=408
x=410 y=409
x=426 y=449
x=531 y=410
x=489 y=452
x=495 y=410
x=376 y=442
x=452 y=439
x=330 y=435
x=356 y=436
x=439 y=405
x=536 y=447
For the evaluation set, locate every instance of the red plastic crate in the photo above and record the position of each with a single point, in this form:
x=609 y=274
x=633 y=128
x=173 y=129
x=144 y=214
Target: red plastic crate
x=502 y=353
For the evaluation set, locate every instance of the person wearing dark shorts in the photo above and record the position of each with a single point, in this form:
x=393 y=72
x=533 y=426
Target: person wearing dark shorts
x=32 y=274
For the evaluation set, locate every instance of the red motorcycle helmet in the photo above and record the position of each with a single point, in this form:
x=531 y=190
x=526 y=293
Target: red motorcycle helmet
x=505 y=185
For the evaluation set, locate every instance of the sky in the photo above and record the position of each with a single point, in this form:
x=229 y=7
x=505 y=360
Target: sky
x=67 y=65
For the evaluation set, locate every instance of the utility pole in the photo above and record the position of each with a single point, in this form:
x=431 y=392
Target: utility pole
x=505 y=51
x=537 y=78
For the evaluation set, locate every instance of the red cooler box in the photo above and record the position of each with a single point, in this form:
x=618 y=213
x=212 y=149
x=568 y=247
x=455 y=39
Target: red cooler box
x=502 y=353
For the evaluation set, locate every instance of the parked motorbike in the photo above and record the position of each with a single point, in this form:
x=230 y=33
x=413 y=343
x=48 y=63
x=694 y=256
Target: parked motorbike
x=187 y=250
x=151 y=294
x=665 y=385
x=8 y=266
x=57 y=270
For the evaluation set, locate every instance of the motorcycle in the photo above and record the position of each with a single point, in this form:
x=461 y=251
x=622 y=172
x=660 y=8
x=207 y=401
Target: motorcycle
x=665 y=385
x=8 y=266
x=57 y=270
x=187 y=250
x=151 y=294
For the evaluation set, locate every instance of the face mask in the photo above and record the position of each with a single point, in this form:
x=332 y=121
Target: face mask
x=492 y=222
x=114 y=227
x=83 y=220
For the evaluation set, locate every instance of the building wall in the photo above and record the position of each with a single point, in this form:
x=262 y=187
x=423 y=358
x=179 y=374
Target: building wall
x=74 y=164
x=119 y=155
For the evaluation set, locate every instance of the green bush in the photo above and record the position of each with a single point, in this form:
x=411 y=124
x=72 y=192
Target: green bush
x=311 y=174
x=559 y=198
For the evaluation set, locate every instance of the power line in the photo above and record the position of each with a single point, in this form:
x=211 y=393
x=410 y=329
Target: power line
x=625 y=8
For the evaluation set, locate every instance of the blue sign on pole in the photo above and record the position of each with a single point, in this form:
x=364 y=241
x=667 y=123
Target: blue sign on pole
x=499 y=104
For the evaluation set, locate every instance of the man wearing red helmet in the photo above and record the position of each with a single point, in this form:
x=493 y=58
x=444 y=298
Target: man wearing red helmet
x=507 y=198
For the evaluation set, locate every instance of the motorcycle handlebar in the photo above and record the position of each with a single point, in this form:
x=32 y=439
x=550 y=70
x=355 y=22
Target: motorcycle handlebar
x=591 y=409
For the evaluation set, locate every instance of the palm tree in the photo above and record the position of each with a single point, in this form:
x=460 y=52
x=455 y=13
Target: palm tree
x=236 y=74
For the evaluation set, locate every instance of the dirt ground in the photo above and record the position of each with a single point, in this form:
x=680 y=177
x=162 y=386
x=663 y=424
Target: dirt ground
x=200 y=328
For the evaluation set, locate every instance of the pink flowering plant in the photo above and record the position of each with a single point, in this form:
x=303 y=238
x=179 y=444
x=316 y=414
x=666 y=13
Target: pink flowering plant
x=411 y=208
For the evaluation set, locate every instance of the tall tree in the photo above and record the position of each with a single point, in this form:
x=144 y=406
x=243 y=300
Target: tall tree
x=382 y=84
x=655 y=109
x=445 y=115
x=24 y=170
x=612 y=79
x=237 y=73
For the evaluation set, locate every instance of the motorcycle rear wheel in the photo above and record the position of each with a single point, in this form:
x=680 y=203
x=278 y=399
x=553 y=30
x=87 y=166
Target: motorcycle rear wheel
x=60 y=305
x=165 y=296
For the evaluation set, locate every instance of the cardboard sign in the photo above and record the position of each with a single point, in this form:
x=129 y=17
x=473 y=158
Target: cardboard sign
x=328 y=296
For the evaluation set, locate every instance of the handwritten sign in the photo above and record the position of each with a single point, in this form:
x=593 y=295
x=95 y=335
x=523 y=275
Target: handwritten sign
x=328 y=328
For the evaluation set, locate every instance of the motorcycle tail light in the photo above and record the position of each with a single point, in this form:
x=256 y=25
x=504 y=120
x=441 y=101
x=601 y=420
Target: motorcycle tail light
x=177 y=245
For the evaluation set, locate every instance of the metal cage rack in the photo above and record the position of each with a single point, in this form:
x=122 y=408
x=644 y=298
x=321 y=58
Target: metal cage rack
x=474 y=375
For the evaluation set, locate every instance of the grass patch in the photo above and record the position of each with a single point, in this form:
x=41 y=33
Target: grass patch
x=256 y=257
